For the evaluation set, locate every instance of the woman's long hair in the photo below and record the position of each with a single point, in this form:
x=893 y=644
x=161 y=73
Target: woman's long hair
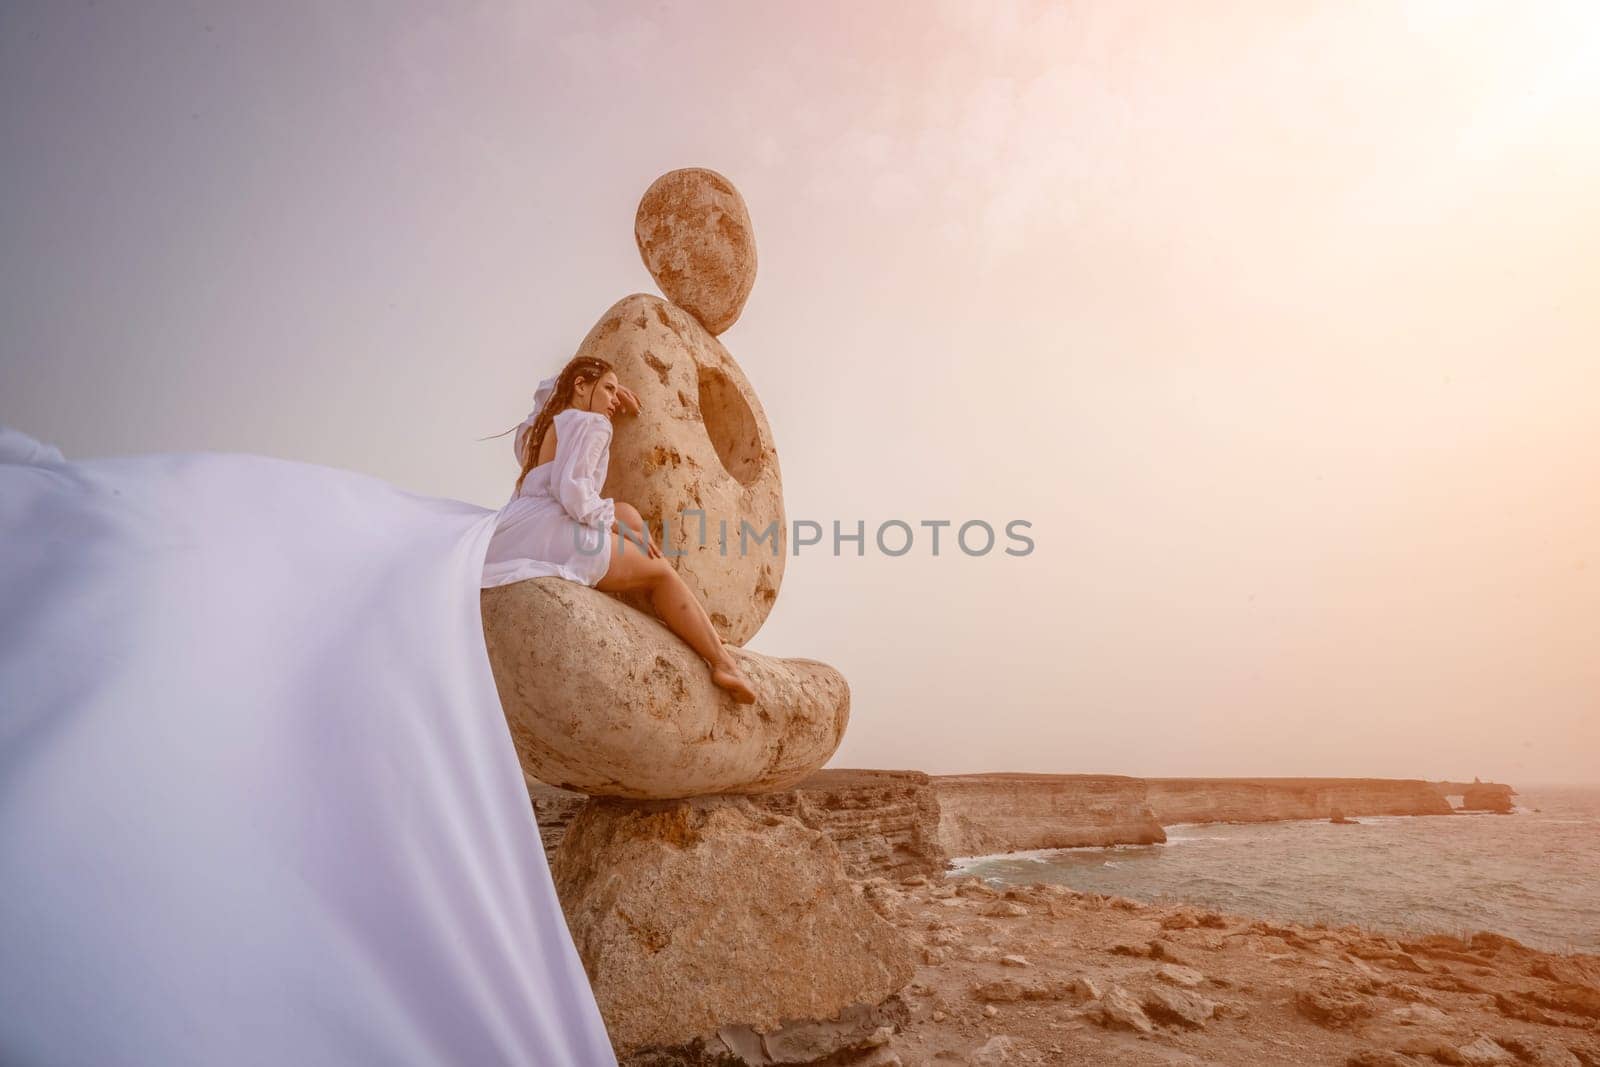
x=581 y=368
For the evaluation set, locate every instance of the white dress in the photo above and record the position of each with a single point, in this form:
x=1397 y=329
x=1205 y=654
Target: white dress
x=259 y=803
x=558 y=524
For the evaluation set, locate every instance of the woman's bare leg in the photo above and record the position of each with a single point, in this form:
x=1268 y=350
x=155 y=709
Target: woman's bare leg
x=640 y=538
x=676 y=605
x=681 y=610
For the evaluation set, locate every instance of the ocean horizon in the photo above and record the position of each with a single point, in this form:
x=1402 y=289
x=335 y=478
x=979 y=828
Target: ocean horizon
x=1533 y=874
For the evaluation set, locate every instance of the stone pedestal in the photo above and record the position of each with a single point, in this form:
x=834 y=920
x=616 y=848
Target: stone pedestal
x=710 y=919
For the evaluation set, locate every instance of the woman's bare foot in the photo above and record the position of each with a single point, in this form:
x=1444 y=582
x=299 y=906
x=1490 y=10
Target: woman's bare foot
x=730 y=677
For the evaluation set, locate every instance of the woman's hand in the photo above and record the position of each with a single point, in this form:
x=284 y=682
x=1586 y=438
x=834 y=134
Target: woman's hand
x=631 y=536
x=630 y=403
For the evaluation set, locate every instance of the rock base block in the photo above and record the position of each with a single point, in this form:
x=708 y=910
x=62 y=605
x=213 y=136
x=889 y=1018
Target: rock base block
x=707 y=918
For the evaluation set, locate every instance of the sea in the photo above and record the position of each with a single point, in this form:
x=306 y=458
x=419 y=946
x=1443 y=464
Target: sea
x=1533 y=875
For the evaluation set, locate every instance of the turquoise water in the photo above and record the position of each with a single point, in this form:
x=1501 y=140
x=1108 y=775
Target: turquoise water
x=1533 y=875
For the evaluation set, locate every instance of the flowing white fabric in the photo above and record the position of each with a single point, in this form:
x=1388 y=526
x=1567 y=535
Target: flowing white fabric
x=558 y=523
x=259 y=803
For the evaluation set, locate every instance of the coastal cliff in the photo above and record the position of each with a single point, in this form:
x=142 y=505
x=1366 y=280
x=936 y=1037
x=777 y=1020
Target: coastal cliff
x=885 y=823
x=897 y=824
x=1478 y=796
x=981 y=814
x=1487 y=796
x=1202 y=800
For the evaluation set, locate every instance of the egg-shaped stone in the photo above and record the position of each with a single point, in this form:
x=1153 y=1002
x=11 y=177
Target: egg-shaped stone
x=694 y=234
x=699 y=455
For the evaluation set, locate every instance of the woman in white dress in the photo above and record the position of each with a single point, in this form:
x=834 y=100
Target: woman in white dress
x=557 y=523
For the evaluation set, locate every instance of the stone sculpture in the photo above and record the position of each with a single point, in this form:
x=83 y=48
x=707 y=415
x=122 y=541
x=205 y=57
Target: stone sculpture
x=708 y=925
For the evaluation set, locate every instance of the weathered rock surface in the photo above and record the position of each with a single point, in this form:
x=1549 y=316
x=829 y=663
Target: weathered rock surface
x=884 y=823
x=1119 y=1008
x=694 y=234
x=1332 y=1002
x=853 y=1037
x=1190 y=800
x=998 y=1051
x=1273 y=992
x=605 y=700
x=554 y=809
x=805 y=1041
x=1487 y=796
x=1458 y=790
x=1175 y=1007
x=695 y=916
x=986 y=813
x=700 y=443
x=1179 y=975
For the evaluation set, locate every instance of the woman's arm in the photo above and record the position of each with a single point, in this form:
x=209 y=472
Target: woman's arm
x=582 y=438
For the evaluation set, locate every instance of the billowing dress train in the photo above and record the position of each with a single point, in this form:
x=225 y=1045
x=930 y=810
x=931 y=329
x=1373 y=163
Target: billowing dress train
x=259 y=803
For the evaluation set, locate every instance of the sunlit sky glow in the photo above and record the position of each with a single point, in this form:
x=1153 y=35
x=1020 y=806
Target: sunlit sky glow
x=1279 y=322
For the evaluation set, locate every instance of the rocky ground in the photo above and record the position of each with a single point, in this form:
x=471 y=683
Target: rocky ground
x=1041 y=974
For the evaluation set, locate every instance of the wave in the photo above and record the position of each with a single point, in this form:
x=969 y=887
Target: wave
x=1042 y=855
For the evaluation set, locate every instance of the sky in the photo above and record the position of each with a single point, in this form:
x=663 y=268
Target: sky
x=1278 y=323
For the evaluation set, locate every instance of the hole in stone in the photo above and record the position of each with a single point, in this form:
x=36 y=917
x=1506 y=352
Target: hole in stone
x=731 y=426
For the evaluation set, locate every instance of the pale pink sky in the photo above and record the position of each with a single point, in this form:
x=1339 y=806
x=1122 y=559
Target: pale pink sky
x=1280 y=322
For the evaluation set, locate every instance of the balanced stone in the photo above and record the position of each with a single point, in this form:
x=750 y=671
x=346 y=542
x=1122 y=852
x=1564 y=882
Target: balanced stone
x=699 y=456
x=694 y=234
x=604 y=699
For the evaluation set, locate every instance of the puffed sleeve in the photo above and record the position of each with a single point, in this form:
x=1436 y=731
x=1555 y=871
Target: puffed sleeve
x=540 y=395
x=582 y=438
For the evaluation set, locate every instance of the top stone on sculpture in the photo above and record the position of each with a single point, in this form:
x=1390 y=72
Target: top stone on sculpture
x=694 y=234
